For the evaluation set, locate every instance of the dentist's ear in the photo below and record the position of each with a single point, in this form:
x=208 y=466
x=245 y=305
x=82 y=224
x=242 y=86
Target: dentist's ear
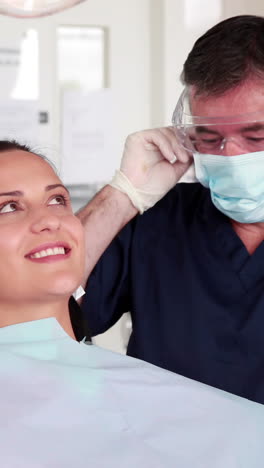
x=78 y=293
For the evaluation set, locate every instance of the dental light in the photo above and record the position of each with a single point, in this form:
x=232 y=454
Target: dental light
x=34 y=8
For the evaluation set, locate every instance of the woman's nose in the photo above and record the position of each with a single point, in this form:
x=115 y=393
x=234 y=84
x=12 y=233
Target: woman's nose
x=45 y=222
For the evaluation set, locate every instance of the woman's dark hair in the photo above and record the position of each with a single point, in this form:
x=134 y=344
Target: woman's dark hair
x=226 y=55
x=12 y=145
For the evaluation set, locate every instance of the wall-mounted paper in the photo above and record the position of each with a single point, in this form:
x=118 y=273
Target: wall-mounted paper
x=89 y=139
x=19 y=120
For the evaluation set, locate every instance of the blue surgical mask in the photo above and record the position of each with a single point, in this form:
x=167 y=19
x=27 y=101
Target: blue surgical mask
x=236 y=184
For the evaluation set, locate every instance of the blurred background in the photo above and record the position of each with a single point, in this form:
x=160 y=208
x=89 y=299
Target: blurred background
x=74 y=84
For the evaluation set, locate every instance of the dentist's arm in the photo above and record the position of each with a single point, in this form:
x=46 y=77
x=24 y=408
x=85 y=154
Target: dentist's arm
x=151 y=165
x=103 y=217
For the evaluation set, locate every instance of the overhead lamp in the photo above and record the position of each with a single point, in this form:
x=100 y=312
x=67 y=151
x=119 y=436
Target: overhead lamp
x=34 y=8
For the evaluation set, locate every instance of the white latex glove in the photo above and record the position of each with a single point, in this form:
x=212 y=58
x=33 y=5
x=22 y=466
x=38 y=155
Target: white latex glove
x=153 y=161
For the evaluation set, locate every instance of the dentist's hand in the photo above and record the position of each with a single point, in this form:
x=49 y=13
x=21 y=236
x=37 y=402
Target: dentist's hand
x=153 y=161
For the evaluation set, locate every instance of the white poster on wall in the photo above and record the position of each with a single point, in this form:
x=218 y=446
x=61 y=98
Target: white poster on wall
x=19 y=120
x=89 y=152
x=10 y=59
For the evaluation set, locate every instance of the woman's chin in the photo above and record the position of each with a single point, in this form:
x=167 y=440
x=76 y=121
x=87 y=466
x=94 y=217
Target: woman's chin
x=63 y=287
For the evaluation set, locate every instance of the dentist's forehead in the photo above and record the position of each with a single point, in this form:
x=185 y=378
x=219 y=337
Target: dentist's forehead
x=245 y=98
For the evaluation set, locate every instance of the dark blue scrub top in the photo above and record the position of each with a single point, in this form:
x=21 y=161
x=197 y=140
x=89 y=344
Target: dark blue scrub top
x=196 y=296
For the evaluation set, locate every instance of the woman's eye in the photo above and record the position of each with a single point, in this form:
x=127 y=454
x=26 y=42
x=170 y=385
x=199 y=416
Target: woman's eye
x=8 y=207
x=58 y=200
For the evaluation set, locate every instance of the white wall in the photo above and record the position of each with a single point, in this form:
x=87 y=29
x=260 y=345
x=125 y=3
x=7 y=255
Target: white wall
x=130 y=30
x=184 y=22
x=128 y=46
x=148 y=43
x=243 y=7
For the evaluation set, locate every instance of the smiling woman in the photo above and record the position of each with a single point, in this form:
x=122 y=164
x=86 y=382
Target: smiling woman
x=41 y=240
x=63 y=402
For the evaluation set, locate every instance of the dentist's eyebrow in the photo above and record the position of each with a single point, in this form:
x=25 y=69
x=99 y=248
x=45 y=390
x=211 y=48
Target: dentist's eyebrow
x=51 y=187
x=200 y=129
x=253 y=128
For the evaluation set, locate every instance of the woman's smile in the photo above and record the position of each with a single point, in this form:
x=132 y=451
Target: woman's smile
x=50 y=252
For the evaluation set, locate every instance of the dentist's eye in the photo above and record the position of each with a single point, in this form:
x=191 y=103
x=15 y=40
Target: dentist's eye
x=8 y=207
x=58 y=200
x=255 y=139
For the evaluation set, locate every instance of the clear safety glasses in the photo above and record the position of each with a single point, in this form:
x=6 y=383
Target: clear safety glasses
x=210 y=135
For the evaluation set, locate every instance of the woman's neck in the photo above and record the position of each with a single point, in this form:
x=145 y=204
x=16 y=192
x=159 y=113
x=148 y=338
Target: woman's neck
x=11 y=314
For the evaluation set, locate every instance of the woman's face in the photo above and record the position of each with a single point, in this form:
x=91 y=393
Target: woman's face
x=41 y=241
